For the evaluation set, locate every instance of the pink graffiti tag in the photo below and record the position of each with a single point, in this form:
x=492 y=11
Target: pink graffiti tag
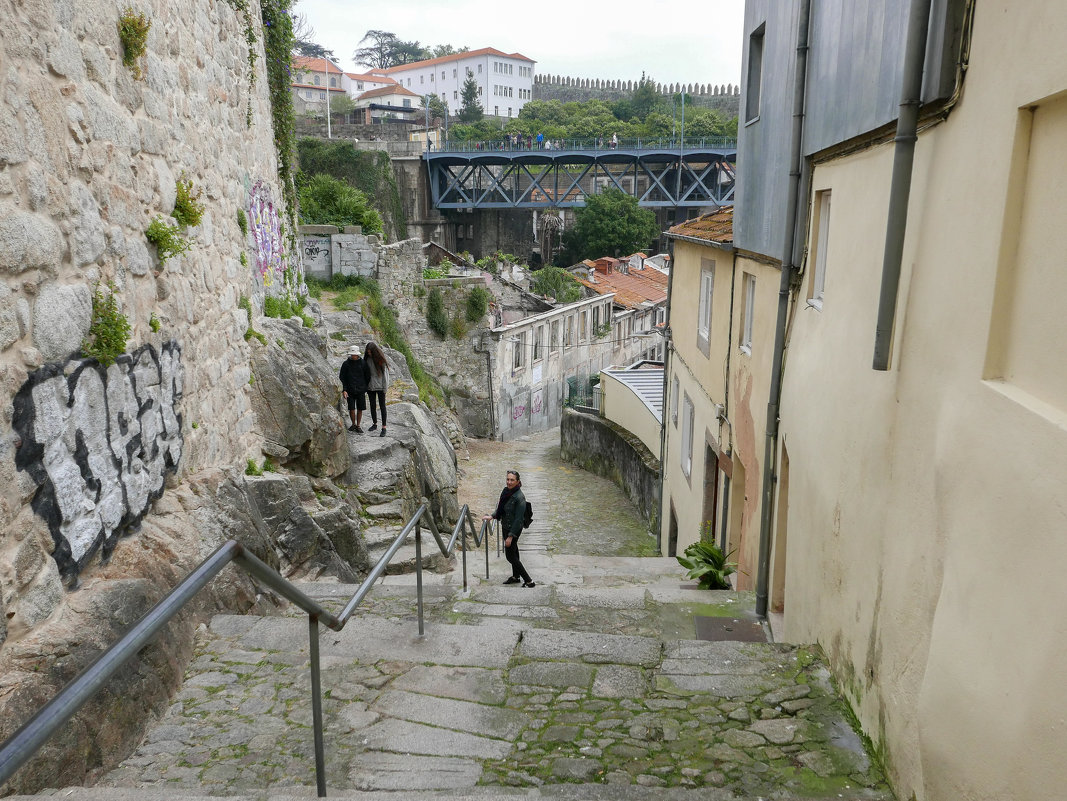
x=518 y=412
x=266 y=231
x=537 y=403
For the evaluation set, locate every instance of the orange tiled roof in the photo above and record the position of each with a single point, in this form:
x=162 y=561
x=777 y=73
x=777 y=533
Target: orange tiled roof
x=315 y=64
x=334 y=89
x=640 y=286
x=382 y=91
x=485 y=51
x=715 y=227
x=370 y=77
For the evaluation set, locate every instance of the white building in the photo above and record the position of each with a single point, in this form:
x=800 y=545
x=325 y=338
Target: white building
x=505 y=81
x=311 y=79
x=356 y=83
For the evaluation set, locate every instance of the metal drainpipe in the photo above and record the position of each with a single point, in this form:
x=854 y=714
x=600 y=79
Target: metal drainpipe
x=667 y=345
x=900 y=188
x=792 y=214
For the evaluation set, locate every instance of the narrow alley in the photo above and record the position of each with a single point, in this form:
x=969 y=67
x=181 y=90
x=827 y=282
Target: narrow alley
x=594 y=680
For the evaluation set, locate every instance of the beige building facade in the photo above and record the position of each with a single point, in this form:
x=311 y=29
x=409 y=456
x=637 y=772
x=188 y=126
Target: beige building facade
x=722 y=332
x=920 y=511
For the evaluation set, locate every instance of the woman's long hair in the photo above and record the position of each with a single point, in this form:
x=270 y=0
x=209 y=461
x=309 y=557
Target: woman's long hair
x=375 y=354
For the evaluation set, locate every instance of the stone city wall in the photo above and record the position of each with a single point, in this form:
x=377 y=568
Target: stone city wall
x=602 y=447
x=89 y=156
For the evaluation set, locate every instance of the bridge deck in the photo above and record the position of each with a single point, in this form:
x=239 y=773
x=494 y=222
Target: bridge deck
x=659 y=174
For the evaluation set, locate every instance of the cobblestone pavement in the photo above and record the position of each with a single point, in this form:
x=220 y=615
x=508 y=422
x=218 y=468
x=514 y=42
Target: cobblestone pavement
x=591 y=678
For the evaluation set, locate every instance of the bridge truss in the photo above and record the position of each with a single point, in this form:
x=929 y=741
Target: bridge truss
x=540 y=179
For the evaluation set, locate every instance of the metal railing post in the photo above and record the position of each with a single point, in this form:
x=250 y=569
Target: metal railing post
x=316 y=706
x=486 y=536
x=418 y=573
x=463 y=543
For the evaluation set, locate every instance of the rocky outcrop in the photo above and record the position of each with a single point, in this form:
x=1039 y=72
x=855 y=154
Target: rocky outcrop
x=295 y=397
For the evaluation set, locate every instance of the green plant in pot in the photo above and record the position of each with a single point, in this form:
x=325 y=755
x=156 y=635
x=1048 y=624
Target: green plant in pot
x=707 y=563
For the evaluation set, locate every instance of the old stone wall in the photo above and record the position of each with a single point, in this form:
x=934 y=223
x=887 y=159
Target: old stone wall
x=601 y=447
x=326 y=252
x=90 y=457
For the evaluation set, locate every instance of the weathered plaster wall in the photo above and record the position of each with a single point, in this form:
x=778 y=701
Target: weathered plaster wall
x=602 y=447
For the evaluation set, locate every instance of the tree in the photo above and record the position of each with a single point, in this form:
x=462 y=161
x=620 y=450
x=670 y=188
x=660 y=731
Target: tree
x=471 y=110
x=645 y=98
x=438 y=109
x=556 y=283
x=610 y=224
x=324 y=200
x=447 y=50
x=379 y=53
x=304 y=35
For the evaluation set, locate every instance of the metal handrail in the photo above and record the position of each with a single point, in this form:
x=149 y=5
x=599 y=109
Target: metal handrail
x=25 y=742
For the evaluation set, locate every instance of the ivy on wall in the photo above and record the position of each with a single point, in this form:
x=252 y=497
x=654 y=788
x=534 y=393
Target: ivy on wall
x=278 y=41
x=245 y=9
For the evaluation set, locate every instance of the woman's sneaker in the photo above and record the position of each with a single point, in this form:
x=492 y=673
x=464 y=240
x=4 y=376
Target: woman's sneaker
x=529 y=584
x=373 y=427
x=513 y=580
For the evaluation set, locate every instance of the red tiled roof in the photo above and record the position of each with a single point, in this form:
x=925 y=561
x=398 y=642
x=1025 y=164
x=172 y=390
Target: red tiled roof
x=715 y=227
x=382 y=91
x=485 y=51
x=303 y=63
x=369 y=76
x=334 y=89
x=632 y=290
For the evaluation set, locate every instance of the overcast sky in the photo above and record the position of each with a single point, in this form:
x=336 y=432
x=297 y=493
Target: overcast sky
x=680 y=42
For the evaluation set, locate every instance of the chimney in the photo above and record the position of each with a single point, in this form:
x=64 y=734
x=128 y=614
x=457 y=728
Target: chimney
x=603 y=265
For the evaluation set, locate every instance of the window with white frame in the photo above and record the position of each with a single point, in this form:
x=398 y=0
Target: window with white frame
x=539 y=343
x=822 y=236
x=674 y=401
x=748 y=312
x=687 y=435
x=553 y=341
x=707 y=287
x=520 y=351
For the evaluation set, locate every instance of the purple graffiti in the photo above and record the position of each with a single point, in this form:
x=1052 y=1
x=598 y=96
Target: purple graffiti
x=538 y=401
x=266 y=231
x=518 y=412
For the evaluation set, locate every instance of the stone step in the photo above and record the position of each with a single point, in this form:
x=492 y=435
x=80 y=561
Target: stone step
x=552 y=792
x=498 y=709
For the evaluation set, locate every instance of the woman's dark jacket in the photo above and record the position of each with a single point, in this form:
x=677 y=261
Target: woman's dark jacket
x=354 y=375
x=514 y=511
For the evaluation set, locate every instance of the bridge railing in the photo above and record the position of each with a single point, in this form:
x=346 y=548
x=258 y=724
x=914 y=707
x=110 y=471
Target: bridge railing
x=598 y=144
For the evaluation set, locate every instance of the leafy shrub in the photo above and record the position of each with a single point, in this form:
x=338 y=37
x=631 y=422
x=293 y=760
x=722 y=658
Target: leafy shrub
x=188 y=210
x=167 y=239
x=252 y=469
x=556 y=283
x=133 y=32
x=242 y=222
x=328 y=201
x=435 y=313
x=109 y=329
x=433 y=272
x=707 y=563
x=419 y=291
x=458 y=327
x=153 y=323
x=477 y=304
x=244 y=259
x=250 y=332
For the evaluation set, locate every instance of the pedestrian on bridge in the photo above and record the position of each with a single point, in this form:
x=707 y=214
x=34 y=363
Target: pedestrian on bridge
x=510 y=510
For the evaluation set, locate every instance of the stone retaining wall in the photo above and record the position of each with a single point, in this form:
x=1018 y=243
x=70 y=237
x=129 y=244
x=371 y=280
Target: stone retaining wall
x=94 y=460
x=602 y=447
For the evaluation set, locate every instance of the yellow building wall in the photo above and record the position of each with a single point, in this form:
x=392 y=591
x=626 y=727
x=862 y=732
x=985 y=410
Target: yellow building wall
x=927 y=505
x=740 y=438
x=623 y=407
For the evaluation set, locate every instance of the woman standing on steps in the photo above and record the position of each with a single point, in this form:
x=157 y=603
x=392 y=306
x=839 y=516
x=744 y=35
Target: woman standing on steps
x=510 y=510
x=377 y=383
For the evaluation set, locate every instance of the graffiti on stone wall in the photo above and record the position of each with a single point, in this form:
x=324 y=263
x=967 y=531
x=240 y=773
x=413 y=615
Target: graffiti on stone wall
x=266 y=232
x=538 y=401
x=99 y=443
x=518 y=412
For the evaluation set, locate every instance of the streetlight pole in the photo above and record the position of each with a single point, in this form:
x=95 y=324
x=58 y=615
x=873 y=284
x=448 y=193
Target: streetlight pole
x=326 y=70
x=426 y=107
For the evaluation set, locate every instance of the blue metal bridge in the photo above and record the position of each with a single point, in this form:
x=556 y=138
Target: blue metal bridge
x=563 y=173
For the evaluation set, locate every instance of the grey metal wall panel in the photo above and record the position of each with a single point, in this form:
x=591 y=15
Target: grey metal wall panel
x=763 y=145
x=855 y=63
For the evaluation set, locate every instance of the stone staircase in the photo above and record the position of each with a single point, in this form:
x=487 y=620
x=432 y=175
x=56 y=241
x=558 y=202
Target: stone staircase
x=589 y=686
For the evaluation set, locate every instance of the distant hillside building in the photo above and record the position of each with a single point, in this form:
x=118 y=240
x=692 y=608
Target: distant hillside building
x=393 y=103
x=312 y=79
x=505 y=80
